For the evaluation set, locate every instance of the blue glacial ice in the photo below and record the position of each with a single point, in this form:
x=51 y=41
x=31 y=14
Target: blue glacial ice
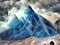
x=26 y=23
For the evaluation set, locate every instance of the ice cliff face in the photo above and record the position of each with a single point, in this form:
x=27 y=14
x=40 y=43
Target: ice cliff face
x=23 y=23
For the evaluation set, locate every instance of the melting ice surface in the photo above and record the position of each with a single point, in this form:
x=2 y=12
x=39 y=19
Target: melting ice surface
x=25 y=23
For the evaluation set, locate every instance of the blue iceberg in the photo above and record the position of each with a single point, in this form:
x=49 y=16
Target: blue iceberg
x=30 y=24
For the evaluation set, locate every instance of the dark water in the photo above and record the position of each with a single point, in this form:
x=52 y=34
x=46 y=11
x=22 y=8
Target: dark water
x=31 y=26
